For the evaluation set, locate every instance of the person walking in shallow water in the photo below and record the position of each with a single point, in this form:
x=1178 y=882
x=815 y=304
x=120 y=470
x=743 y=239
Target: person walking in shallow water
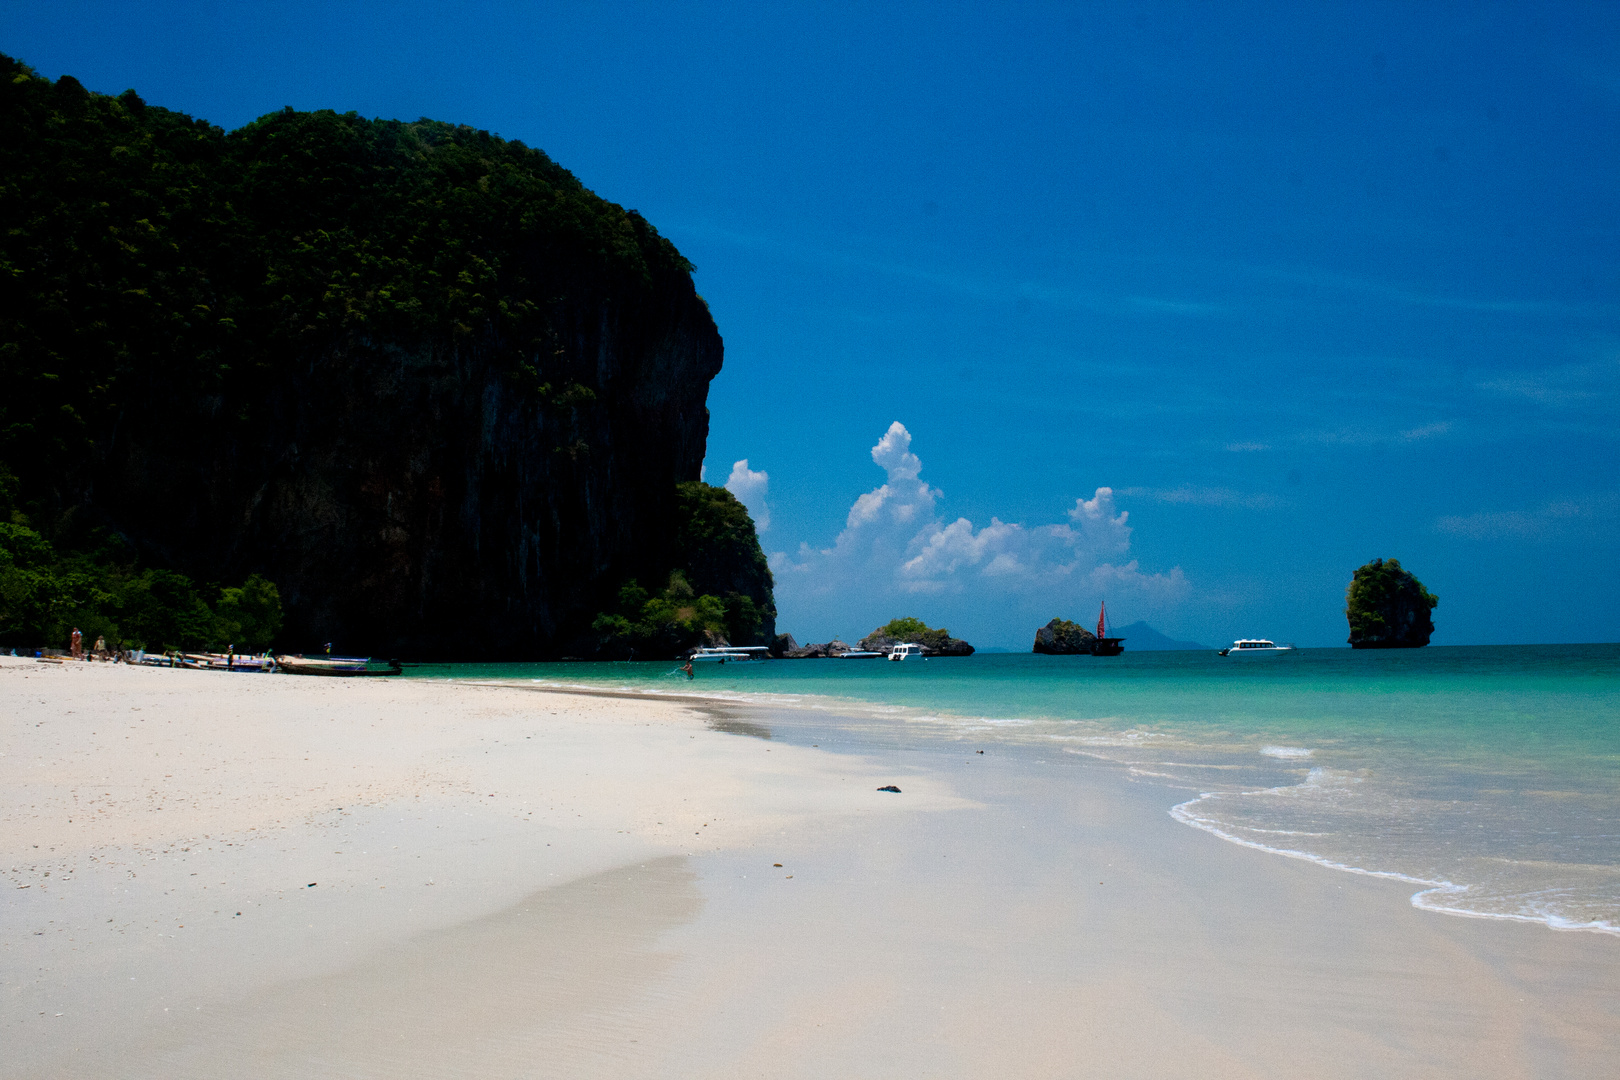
x=690 y=674
x=76 y=644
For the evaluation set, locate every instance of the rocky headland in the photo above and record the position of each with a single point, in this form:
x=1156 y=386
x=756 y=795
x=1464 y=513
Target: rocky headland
x=416 y=375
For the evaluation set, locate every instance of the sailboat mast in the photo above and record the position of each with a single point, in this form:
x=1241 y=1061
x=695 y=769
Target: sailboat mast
x=1102 y=616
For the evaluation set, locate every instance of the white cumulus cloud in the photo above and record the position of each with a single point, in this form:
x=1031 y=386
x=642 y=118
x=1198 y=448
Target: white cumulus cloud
x=750 y=487
x=896 y=544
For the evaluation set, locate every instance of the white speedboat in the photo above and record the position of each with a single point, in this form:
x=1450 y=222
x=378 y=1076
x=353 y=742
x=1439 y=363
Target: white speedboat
x=858 y=654
x=906 y=651
x=730 y=654
x=1255 y=647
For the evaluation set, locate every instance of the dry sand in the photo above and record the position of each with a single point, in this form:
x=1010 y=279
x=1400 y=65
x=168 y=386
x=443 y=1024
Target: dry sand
x=508 y=882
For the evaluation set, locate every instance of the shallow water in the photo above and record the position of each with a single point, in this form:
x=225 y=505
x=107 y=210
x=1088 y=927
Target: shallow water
x=1489 y=776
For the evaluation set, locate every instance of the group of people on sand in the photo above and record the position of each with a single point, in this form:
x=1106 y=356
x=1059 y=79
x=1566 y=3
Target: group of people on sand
x=76 y=645
x=99 y=652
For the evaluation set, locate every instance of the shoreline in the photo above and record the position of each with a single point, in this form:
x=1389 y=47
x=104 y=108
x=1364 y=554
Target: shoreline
x=486 y=905
x=829 y=705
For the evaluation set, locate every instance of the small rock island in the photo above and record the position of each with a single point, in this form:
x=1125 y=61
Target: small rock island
x=1388 y=608
x=898 y=631
x=1060 y=637
x=882 y=640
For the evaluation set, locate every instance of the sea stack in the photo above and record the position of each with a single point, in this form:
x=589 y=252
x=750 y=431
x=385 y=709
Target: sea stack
x=1060 y=637
x=1388 y=608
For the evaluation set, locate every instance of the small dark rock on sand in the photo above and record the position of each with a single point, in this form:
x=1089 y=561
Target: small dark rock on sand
x=890 y=787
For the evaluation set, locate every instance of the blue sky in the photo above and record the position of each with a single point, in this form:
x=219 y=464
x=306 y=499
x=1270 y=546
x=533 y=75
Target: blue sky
x=1301 y=285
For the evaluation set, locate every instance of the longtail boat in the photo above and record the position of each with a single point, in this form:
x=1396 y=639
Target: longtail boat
x=343 y=666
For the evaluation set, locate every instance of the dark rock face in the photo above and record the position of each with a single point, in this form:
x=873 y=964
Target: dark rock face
x=877 y=641
x=823 y=651
x=416 y=375
x=1388 y=608
x=410 y=501
x=782 y=644
x=1063 y=638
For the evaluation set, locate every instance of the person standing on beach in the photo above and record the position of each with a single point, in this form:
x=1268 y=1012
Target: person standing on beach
x=76 y=644
x=101 y=647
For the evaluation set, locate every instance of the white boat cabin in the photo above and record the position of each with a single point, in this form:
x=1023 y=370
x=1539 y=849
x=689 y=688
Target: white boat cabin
x=734 y=654
x=1253 y=646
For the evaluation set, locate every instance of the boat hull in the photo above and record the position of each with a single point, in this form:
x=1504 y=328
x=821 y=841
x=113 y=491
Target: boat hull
x=298 y=665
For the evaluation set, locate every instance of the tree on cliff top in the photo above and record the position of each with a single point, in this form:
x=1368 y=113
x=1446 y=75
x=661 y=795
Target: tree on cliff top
x=1388 y=607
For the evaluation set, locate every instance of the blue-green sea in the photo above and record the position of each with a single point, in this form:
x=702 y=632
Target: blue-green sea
x=1488 y=776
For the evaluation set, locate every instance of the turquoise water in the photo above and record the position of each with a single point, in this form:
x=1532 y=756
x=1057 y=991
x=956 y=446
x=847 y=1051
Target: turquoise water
x=1487 y=776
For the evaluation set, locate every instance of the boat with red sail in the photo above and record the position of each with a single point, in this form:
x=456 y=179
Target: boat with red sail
x=1106 y=646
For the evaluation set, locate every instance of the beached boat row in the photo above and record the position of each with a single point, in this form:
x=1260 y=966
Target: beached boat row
x=267 y=663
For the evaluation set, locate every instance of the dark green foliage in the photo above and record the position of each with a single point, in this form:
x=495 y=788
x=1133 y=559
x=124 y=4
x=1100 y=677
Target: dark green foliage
x=44 y=596
x=1388 y=608
x=718 y=550
x=164 y=610
x=250 y=615
x=45 y=593
x=650 y=627
x=744 y=620
x=27 y=586
x=908 y=629
x=719 y=592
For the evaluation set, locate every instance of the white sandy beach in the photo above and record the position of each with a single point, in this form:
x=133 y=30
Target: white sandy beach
x=211 y=875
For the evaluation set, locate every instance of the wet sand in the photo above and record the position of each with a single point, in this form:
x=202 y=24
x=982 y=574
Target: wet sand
x=513 y=882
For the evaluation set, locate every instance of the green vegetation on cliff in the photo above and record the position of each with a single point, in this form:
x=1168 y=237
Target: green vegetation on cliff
x=142 y=248
x=1388 y=608
x=416 y=374
x=720 y=588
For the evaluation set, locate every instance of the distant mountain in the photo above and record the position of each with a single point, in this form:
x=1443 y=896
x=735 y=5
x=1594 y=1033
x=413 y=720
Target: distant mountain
x=1140 y=637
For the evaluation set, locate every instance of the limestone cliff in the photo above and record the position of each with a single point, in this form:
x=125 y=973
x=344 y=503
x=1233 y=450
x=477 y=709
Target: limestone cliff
x=415 y=374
